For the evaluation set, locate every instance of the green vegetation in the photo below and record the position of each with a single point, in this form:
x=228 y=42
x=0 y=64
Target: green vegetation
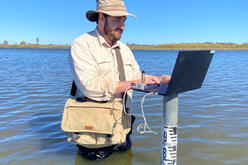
x=185 y=46
x=24 y=45
x=176 y=46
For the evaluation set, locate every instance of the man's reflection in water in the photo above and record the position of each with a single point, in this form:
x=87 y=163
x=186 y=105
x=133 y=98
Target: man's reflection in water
x=117 y=158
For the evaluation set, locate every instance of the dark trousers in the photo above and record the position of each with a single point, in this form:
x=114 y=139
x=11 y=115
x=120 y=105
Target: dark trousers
x=100 y=153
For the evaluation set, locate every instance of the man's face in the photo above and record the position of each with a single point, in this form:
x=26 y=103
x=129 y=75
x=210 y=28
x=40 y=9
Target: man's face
x=113 y=27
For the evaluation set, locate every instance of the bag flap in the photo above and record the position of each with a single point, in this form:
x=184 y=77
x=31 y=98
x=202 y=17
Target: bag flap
x=91 y=116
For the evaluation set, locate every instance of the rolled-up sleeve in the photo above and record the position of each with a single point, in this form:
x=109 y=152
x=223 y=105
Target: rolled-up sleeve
x=85 y=73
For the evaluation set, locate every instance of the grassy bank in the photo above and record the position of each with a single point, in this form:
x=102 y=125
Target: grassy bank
x=50 y=46
x=178 y=46
x=194 y=46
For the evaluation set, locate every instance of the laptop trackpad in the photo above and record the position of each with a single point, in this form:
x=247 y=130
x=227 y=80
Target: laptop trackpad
x=162 y=89
x=157 y=88
x=152 y=88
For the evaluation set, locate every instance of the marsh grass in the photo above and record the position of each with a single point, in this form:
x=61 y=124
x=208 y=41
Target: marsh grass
x=174 y=46
x=180 y=46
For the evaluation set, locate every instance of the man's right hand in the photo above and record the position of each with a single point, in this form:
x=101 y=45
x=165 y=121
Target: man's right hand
x=152 y=80
x=165 y=79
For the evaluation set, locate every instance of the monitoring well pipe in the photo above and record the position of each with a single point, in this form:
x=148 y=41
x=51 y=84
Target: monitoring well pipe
x=169 y=130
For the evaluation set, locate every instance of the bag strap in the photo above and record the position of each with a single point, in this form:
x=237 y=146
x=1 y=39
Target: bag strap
x=122 y=76
x=73 y=89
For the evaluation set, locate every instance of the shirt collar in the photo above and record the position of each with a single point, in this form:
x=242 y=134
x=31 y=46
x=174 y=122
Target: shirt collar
x=102 y=40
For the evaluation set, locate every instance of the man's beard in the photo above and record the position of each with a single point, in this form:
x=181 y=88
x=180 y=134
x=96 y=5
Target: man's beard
x=113 y=35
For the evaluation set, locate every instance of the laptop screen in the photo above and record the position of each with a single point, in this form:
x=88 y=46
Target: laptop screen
x=189 y=71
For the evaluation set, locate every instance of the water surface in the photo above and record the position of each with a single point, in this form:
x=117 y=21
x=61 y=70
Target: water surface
x=35 y=83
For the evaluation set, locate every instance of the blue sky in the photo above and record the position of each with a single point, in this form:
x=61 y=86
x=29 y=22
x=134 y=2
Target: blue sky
x=157 y=22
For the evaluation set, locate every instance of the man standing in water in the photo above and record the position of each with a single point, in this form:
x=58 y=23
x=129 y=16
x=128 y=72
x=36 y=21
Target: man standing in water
x=103 y=67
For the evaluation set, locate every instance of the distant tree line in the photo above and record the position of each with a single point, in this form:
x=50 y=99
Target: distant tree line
x=5 y=42
x=24 y=44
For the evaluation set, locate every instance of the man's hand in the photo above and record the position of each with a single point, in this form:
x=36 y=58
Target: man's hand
x=152 y=80
x=165 y=79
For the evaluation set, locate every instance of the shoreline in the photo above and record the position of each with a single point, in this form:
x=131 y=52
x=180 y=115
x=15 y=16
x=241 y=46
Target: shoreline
x=181 y=46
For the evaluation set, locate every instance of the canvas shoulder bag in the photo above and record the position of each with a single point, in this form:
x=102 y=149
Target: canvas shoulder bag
x=93 y=124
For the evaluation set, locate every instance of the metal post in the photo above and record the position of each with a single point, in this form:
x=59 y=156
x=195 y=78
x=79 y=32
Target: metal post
x=169 y=130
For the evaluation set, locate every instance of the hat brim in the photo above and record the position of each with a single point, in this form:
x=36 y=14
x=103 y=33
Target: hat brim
x=92 y=15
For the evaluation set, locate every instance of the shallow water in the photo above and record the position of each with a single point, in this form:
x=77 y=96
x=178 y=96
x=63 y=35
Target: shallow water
x=35 y=83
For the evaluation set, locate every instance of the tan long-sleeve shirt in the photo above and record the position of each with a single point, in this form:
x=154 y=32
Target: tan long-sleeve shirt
x=94 y=66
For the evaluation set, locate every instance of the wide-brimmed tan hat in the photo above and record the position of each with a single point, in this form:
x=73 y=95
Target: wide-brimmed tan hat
x=109 y=7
